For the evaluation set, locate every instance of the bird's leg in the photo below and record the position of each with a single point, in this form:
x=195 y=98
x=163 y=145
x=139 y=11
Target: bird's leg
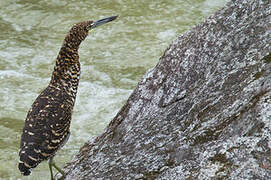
x=52 y=164
x=50 y=167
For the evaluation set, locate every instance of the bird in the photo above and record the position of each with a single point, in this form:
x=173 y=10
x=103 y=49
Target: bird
x=47 y=124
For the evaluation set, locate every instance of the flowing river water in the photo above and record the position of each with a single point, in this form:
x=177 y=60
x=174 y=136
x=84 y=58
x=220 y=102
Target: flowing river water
x=113 y=59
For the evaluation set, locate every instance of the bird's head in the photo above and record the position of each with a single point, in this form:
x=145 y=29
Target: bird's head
x=80 y=30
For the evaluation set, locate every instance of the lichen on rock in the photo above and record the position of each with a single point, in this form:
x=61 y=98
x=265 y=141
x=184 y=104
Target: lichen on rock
x=204 y=111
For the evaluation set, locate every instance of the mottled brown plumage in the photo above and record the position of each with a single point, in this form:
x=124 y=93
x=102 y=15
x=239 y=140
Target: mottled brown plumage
x=48 y=121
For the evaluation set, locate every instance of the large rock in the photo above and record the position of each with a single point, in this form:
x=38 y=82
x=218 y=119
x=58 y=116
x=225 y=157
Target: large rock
x=203 y=112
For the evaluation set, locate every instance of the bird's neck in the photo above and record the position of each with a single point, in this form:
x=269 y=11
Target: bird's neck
x=66 y=72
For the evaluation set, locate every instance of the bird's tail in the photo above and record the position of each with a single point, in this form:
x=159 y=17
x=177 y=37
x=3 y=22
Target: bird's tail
x=28 y=159
x=24 y=169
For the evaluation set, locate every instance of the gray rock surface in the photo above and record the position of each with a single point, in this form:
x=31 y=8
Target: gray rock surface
x=204 y=111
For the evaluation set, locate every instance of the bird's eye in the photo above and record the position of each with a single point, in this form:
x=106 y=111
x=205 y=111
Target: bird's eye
x=74 y=28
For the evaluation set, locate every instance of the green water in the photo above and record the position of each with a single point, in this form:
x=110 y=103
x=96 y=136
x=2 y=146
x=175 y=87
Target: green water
x=113 y=58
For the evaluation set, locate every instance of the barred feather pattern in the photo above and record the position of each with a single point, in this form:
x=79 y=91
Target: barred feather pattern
x=47 y=123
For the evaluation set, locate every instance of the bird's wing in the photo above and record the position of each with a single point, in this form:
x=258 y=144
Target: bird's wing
x=46 y=127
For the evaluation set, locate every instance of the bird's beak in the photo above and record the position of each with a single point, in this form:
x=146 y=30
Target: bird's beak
x=102 y=21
